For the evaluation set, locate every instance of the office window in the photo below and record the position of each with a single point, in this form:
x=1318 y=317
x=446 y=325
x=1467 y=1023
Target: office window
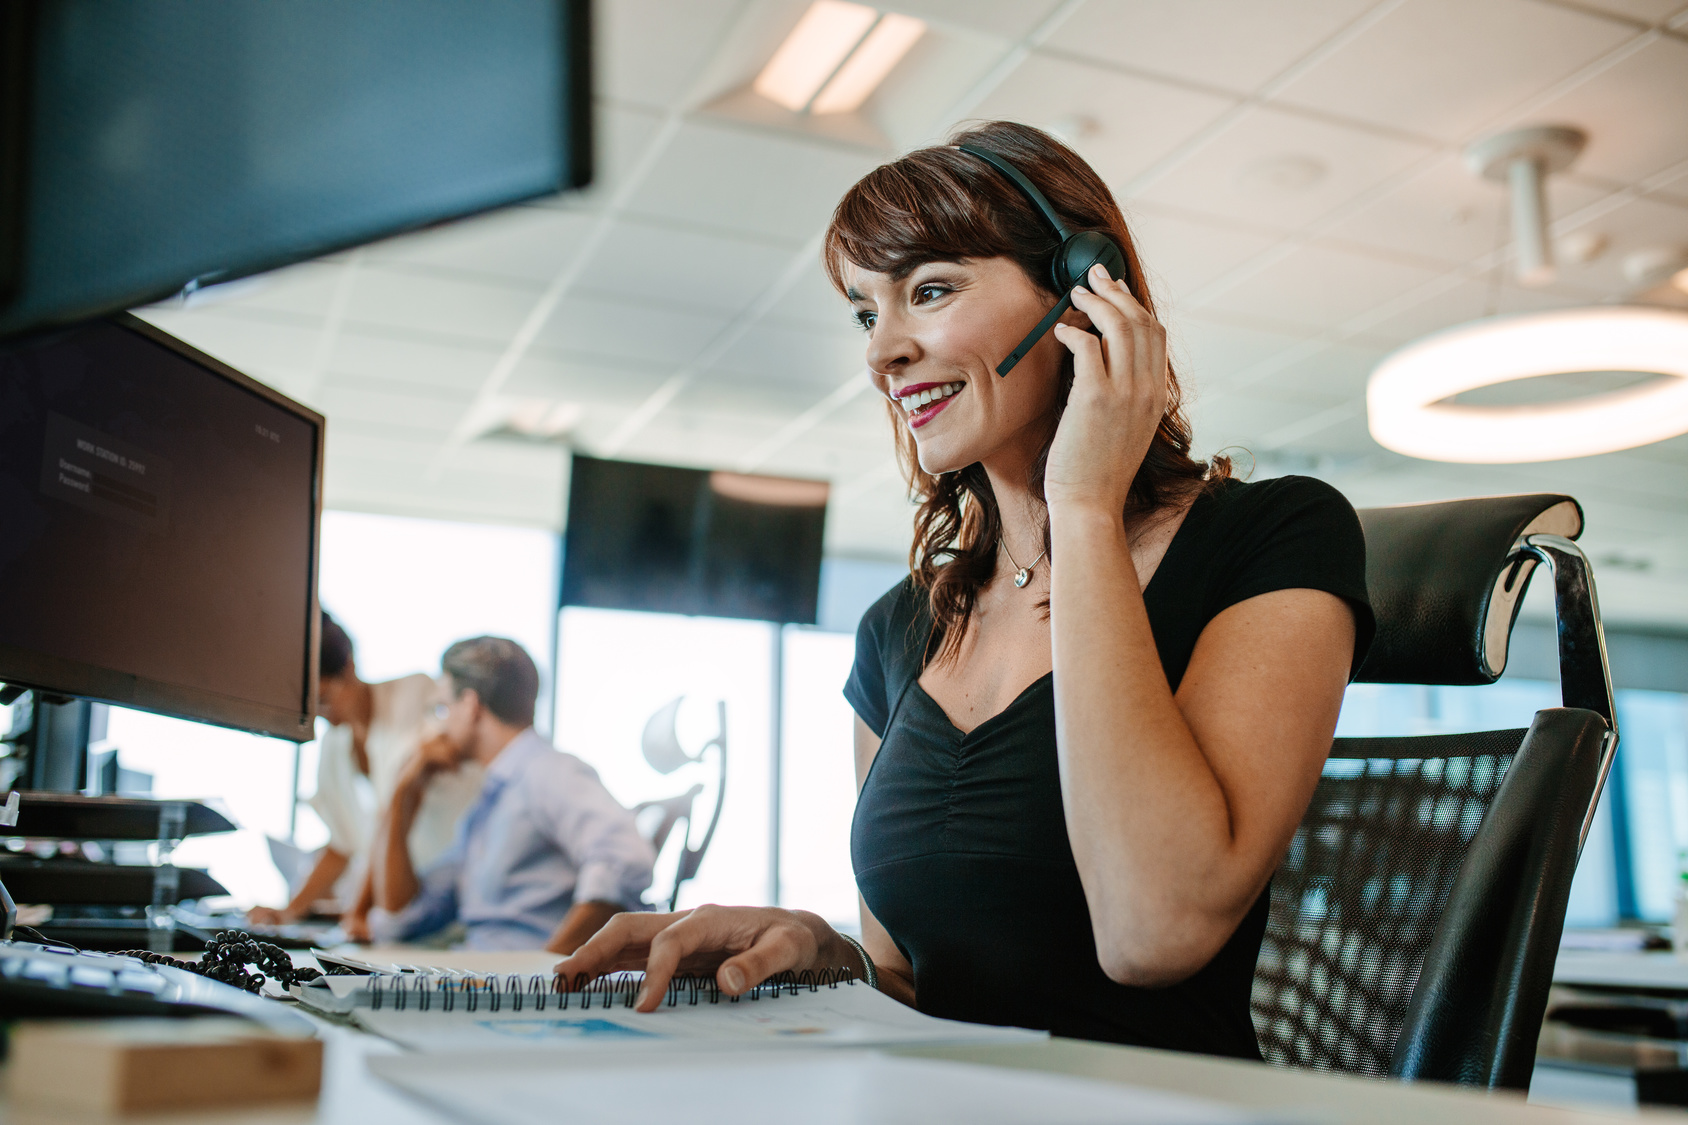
x=617 y=668
x=1653 y=771
x=1413 y=709
x=817 y=777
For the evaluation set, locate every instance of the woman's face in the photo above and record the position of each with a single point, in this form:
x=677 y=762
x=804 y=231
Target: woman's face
x=934 y=340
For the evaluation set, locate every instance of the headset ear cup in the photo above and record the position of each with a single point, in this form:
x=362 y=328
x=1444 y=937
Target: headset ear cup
x=1083 y=250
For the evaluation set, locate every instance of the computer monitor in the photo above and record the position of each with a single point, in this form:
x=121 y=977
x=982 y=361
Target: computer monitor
x=712 y=544
x=159 y=514
x=148 y=147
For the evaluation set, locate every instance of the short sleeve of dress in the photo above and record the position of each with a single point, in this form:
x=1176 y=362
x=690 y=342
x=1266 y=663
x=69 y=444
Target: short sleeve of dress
x=869 y=689
x=1298 y=533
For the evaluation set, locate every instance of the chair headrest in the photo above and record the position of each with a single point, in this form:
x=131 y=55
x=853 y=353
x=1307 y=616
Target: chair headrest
x=1441 y=588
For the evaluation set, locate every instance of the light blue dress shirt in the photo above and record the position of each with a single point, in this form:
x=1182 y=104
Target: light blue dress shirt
x=544 y=835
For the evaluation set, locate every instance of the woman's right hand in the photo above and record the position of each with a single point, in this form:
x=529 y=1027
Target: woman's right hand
x=741 y=946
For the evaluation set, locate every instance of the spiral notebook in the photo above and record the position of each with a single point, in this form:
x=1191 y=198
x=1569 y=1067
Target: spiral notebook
x=460 y=1012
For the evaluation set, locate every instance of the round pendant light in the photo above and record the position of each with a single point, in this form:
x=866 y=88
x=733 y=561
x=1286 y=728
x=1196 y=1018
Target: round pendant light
x=1406 y=411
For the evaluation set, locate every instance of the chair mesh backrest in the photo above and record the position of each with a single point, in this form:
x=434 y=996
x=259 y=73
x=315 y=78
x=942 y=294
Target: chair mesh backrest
x=1357 y=900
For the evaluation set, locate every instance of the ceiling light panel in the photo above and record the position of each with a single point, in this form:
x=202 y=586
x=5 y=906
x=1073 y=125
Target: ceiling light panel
x=813 y=52
x=867 y=67
x=1407 y=411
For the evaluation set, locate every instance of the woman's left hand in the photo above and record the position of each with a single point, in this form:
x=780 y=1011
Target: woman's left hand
x=1117 y=399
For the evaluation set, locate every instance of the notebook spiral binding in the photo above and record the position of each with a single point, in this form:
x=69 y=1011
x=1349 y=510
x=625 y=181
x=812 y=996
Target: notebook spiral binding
x=423 y=993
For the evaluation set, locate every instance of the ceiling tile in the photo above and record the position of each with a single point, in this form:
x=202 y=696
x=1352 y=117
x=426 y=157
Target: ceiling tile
x=241 y=341
x=803 y=355
x=1444 y=68
x=589 y=325
x=1235 y=175
x=1333 y=372
x=1209 y=354
x=813 y=301
x=1318 y=287
x=695 y=437
x=640 y=261
x=1448 y=214
x=1218 y=42
x=1462 y=301
x=588 y=383
x=418 y=414
x=756 y=182
x=306 y=290
x=1642 y=11
x=1632 y=112
x=405 y=361
x=1133 y=121
x=526 y=244
x=1182 y=254
x=1010 y=19
x=475 y=310
x=1220 y=420
x=767 y=401
x=1640 y=224
x=650 y=52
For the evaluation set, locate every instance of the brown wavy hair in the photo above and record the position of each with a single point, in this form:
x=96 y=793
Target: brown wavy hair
x=940 y=204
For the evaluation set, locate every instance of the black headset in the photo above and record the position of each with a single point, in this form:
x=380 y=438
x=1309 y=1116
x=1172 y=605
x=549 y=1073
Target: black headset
x=1073 y=259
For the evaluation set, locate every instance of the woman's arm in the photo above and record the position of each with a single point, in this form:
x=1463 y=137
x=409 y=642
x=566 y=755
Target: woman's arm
x=740 y=946
x=330 y=865
x=1178 y=808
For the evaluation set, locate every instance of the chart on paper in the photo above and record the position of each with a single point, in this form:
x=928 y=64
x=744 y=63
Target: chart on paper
x=847 y=1016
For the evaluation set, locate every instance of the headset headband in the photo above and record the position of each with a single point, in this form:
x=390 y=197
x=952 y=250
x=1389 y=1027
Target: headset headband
x=1027 y=188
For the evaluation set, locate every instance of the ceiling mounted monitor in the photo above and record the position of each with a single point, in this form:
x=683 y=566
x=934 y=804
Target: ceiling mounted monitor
x=158 y=530
x=711 y=544
x=148 y=148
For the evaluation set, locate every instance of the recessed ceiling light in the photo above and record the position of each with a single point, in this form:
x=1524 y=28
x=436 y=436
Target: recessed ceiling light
x=814 y=50
x=864 y=70
x=531 y=419
x=1405 y=397
x=836 y=56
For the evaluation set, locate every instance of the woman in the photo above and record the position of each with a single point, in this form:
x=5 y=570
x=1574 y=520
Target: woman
x=1090 y=720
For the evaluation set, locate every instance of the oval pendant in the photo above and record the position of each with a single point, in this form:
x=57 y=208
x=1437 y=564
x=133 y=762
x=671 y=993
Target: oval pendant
x=1023 y=576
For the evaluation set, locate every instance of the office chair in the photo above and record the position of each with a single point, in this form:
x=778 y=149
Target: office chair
x=1415 y=921
x=660 y=744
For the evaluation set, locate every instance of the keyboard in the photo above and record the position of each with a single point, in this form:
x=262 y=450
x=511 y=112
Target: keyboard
x=48 y=981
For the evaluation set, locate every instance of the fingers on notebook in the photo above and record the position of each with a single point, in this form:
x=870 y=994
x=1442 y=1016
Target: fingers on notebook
x=623 y=943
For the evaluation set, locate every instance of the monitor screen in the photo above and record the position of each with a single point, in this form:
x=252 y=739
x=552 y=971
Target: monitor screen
x=158 y=529
x=713 y=544
x=144 y=147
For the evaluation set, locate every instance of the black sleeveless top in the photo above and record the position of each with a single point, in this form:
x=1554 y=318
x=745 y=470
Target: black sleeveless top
x=960 y=841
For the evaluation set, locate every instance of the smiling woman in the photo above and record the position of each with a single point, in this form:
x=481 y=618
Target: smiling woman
x=1082 y=770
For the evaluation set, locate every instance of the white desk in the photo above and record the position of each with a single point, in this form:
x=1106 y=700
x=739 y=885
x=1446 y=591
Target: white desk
x=351 y=1096
x=1657 y=972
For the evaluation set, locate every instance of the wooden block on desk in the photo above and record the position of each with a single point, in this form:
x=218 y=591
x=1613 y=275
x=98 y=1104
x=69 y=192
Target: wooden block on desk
x=127 y=1065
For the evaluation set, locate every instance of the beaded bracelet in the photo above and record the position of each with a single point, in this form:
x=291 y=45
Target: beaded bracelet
x=872 y=976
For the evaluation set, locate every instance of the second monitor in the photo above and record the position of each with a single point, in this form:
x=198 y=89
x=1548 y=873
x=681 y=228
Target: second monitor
x=711 y=544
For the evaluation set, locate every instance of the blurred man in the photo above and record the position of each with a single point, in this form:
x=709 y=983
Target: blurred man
x=374 y=730
x=545 y=856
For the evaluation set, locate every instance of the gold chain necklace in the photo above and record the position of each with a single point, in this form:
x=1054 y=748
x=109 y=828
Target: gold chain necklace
x=1022 y=574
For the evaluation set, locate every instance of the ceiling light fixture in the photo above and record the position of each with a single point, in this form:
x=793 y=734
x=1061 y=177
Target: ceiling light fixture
x=1405 y=396
x=1522 y=158
x=836 y=56
x=867 y=67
